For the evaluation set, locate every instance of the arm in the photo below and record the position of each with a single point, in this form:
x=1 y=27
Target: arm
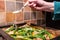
x=42 y=5
x=56 y=11
x=47 y=6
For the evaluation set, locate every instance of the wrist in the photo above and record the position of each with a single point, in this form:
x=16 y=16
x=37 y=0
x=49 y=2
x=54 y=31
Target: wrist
x=50 y=4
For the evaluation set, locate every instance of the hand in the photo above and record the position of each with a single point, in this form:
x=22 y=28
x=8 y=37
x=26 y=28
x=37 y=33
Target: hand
x=41 y=5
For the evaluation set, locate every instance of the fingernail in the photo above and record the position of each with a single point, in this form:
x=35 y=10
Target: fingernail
x=34 y=5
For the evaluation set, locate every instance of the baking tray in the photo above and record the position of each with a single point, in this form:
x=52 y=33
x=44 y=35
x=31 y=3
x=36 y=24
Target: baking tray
x=4 y=36
x=51 y=30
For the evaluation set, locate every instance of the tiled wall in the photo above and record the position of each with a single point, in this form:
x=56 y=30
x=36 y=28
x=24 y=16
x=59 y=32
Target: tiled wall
x=27 y=15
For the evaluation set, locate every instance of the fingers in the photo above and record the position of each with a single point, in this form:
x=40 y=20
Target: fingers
x=32 y=5
x=40 y=8
x=32 y=0
x=40 y=5
x=44 y=9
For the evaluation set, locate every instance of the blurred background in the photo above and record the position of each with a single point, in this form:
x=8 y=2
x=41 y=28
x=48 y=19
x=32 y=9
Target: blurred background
x=26 y=15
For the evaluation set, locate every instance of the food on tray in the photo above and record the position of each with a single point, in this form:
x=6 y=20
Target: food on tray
x=29 y=33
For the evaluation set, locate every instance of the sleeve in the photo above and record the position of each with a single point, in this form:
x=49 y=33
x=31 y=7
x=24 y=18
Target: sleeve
x=56 y=11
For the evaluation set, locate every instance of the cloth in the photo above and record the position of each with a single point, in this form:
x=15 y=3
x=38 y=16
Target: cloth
x=56 y=11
